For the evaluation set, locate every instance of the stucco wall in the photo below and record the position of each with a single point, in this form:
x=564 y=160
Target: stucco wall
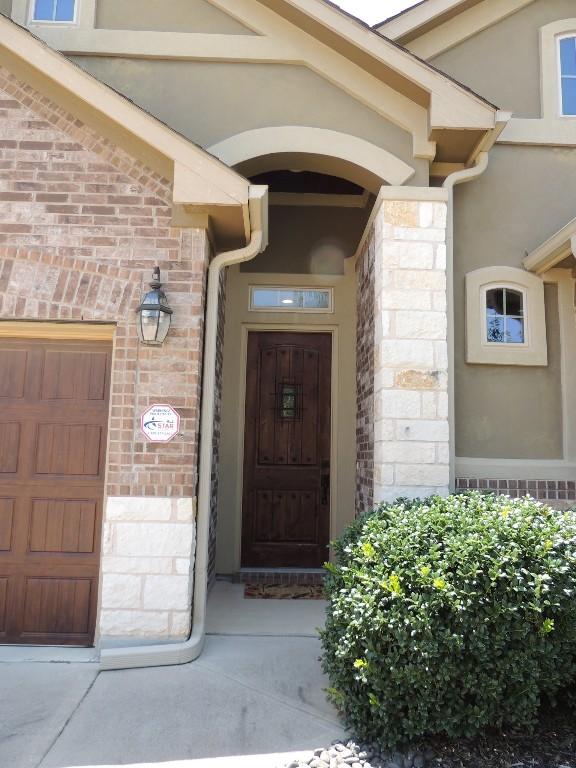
x=173 y=16
x=211 y=101
x=6 y=7
x=498 y=218
x=310 y=240
x=502 y=63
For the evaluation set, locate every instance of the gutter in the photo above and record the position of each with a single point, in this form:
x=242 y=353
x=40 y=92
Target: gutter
x=459 y=177
x=169 y=654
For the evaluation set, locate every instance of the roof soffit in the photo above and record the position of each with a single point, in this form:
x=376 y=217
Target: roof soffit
x=553 y=251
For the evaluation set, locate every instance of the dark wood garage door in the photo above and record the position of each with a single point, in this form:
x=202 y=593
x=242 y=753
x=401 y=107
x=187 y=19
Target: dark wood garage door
x=53 y=425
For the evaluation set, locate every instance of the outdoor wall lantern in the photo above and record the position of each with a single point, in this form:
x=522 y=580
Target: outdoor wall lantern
x=154 y=314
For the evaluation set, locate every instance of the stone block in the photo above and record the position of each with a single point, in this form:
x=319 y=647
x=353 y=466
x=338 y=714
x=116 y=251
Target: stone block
x=425 y=279
x=423 y=430
x=440 y=215
x=154 y=539
x=185 y=510
x=180 y=622
x=396 y=403
x=392 y=298
x=400 y=213
x=394 y=353
x=422 y=475
x=419 y=380
x=411 y=324
x=128 y=508
x=121 y=591
x=440 y=260
x=426 y=215
x=142 y=565
x=430 y=234
x=134 y=623
x=407 y=255
x=406 y=452
x=167 y=592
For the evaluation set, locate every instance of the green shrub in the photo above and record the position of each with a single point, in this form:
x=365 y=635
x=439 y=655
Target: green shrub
x=448 y=616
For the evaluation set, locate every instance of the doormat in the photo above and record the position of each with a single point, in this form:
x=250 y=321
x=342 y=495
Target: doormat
x=284 y=591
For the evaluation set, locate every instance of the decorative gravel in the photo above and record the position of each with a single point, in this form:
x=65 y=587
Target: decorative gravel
x=349 y=754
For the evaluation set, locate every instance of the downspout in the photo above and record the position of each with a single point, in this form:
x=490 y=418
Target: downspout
x=182 y=653
x=459 y=177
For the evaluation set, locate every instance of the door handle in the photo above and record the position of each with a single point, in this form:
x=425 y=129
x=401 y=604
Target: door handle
x=325 y=488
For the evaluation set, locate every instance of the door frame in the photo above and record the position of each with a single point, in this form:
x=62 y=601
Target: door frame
x=246 y=328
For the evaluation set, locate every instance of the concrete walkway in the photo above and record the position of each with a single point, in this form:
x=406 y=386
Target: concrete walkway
x=248 y=702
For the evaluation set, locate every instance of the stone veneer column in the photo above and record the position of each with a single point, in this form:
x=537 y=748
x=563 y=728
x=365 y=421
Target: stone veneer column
x=411 y=414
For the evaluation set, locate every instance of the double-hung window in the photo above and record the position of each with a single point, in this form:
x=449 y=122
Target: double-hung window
x=568 y=75
x=60 y=11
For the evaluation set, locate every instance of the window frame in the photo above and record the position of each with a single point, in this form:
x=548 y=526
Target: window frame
x=290 y=309
x=560 y=75
x=534 y=349
x=53 y=22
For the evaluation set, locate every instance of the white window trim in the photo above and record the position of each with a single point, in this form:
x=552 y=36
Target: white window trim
x=550 y=69
x=299 y=310
x=534 y=350
x=48 y=22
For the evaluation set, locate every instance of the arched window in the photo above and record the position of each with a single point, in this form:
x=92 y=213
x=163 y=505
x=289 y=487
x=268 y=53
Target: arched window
x=568 y=74
x=504 y=316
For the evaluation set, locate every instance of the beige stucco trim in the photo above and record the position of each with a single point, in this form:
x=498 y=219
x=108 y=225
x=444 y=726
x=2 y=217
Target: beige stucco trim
x=425 y=13
x=515 y=469
x=566 y=283
x=552 y=251
x=24 y=329
x=460 y=27
x=534 y=351
x=313 y=141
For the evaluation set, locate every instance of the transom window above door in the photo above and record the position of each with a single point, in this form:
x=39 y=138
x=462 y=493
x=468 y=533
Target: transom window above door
x=568 y=75
x=63 y=11
x=504 y=316
x=270 y=299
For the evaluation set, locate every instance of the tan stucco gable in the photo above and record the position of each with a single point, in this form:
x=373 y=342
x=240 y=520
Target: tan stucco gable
x=202 y=184
x=447 y=121
x=433 y=26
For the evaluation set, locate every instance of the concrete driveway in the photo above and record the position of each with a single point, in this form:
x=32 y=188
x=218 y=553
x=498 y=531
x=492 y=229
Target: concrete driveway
x=247 y=702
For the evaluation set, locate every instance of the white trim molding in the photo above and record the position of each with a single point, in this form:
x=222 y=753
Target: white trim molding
x=296 y=139
x=534 y=350
x=554 y=250
x=518 y=469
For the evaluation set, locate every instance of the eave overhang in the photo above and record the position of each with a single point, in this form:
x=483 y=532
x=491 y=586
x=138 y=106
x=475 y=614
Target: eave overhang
x=553 y=251
x=206 y=192
x=421 y=18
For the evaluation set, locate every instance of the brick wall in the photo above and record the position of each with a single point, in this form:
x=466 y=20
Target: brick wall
x=81 y=226
x=365 y=379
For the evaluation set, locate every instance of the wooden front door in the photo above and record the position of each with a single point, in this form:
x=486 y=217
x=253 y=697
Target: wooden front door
x=53 y=419
x=286 y=502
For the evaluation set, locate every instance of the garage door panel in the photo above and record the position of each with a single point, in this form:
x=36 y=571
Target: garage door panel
x=3 y=605
x=6 y=524
x=63 y=525
x=69 y=449
x=57 y=606
x=53 y=429
x=13 y=374
x=74 y=375
x=9 y=447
